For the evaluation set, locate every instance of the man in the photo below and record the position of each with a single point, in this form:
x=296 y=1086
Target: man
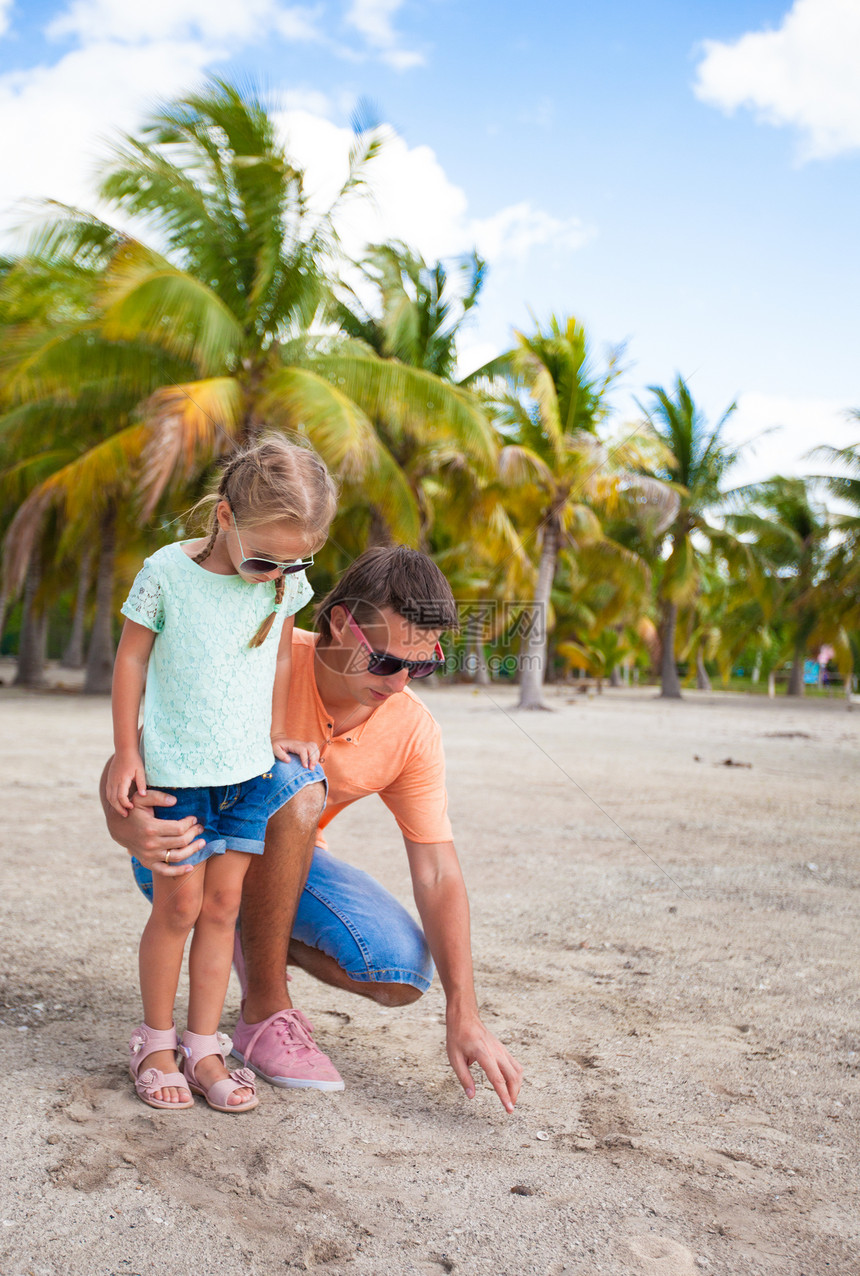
x=349 y=693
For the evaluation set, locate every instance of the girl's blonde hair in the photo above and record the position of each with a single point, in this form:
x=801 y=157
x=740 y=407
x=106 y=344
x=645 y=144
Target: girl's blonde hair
x=274 y=481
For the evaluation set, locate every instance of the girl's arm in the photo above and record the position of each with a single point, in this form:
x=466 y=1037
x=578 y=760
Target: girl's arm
x=129 y=675
x=282 y=742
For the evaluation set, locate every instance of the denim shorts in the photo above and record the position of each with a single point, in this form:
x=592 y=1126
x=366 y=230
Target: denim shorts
x=234 y=816
x=345 y=913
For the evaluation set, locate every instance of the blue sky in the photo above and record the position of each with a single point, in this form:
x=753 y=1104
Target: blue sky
x=682 y=177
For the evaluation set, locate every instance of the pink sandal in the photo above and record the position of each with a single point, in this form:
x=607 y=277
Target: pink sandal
x=144 y=1042
x=195 y=1046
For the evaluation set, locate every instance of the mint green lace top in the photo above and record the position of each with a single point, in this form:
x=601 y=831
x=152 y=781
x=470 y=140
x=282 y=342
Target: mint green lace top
x=207 y=714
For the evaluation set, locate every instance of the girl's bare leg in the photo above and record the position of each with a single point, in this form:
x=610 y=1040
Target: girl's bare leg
x=176 y=904
x=211 y=957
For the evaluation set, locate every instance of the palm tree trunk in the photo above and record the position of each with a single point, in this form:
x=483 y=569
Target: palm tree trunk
x=703 y=682
x=34 y=631
x=482 y=671
x=101 y=650
x=670 y=683
x=474 y=629
x=533 y=652
x=795 y=678
x=380 y=532
x=73 y=656
x=615 y=678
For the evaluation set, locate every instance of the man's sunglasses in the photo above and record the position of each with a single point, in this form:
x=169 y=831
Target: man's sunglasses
x=384 y=665
x=258 y=566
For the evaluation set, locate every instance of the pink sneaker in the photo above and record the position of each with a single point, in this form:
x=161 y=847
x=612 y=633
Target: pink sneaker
x=283 y=1052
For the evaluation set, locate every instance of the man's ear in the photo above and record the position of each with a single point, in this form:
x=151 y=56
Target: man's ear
x=337 y=622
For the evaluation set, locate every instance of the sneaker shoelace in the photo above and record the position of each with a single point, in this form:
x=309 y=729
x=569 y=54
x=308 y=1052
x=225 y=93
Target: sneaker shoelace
x=295 y=1033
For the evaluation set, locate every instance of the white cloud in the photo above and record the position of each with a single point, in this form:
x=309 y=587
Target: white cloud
x=299 y=23
x=5 y=10
x=804 y=73
x=474 y=354
x=413 y=199
x=514 y=231
x=146 y=54
x=793 y=427
x=373 y=18
x=206 y=20
x=65 y=109
x=310 y=100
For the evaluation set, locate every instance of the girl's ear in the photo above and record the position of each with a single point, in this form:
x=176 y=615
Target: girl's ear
x=224 y=516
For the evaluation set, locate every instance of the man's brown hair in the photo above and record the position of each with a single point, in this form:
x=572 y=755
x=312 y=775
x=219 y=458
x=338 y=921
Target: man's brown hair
x=404 y=580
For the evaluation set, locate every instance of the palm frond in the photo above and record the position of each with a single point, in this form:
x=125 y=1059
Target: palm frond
x=300 y=399
x=62 y=232
x=75 y=364
x=80 y=489
x=154 y=301
x=519 y=466
x=385 y=487
x=187 y=426
x=413 y=401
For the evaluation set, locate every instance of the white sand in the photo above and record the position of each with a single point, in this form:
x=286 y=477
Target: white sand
x=686 y=1011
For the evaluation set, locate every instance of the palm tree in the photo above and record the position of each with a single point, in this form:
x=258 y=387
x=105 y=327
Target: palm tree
x=843 y=567
x=702 y=622
x=73 y=653
x=698 y=459
x=420 y=312
x=550 y=409
x=409 y=312
x=789 y=531
x=67 y=450
x=88 y=497
x=216 y=332
x=600 y=593
x=235 y=292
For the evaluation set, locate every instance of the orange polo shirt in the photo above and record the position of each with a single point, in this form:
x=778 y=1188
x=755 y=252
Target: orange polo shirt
x=396 y=752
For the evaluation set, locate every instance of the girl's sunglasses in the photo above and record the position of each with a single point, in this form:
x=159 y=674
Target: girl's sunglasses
x=383 y=664
x=258 y=566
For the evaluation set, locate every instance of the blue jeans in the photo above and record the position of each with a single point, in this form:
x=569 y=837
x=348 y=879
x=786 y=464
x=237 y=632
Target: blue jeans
x=353 y=919
x=345 y=913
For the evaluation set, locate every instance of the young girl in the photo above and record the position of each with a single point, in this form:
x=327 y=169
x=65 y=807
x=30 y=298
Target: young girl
x=216 y=616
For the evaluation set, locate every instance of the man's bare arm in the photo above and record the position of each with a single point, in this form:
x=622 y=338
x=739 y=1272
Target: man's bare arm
x=149 y=839
x=442 y=902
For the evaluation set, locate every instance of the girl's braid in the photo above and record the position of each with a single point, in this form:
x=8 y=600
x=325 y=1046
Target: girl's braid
x=210 y=544
x=221 y=495
x=261 y=634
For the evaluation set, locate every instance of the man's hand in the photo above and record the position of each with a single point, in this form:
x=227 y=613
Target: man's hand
x=125 y=770
x=468 y=1042
x=149 y=839
x=305 y=750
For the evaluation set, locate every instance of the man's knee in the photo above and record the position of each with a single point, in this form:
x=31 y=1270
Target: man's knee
x=303 y=810
x=393 y=995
